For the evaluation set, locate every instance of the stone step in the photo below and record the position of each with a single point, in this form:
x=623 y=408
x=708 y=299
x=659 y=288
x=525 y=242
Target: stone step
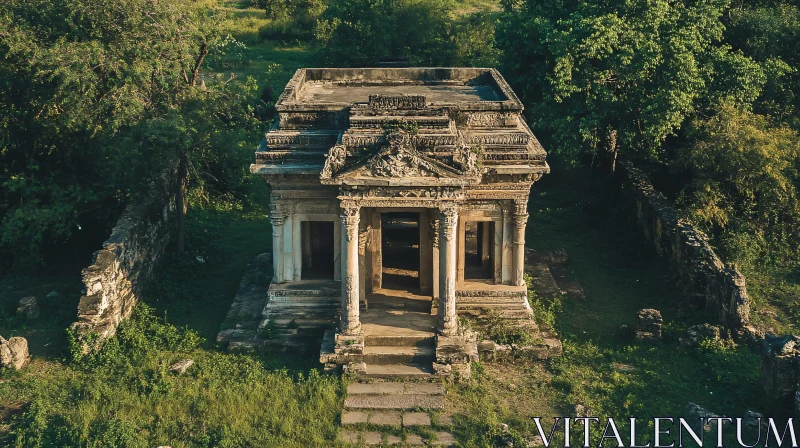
x=399 y=402
x=399 y=341
x=374 y=438
x=522 y=313
x=492 y=306
x=422 y=371
x=388 y=354
x=392 y=419
x=395 y=388
x=489 y=300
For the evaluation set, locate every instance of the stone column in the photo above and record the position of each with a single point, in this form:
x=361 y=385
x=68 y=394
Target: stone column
x=350 y=322
x=448 y=222
x=278 y=218
x=520 y=219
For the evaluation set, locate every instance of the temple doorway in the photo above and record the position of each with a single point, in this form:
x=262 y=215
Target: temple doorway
x=400 y=250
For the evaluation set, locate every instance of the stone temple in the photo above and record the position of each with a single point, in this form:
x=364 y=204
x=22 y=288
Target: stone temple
x=398 y=205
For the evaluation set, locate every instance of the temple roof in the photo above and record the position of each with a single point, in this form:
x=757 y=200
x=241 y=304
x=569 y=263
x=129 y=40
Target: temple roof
x=422 y=126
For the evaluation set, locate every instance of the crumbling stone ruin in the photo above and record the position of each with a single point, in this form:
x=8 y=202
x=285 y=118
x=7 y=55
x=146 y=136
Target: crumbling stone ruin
x=648 y=325
x=28 y=307
x=398 y=204
x=780 y=372
x=704 y=279
x=114 y=282
x=13 y=353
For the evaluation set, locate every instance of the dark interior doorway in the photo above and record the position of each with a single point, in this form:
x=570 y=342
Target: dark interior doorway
x=317 y=239
x=479 y=250
x=400 y=250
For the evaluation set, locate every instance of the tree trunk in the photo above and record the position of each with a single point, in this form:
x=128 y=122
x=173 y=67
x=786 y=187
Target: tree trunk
x=613 y=149
x=180 y=199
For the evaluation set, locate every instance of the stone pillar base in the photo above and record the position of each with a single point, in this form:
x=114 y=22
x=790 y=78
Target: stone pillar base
x=339 y=350
x=454 y=354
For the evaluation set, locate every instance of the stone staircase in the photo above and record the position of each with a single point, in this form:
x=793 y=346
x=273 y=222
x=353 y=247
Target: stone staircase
x=399 y=357
x=509 y=305
x=396 y=413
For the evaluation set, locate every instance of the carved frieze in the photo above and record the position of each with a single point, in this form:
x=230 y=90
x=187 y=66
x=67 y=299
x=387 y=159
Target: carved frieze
x=278 y=138
x=303 y=120
x=499 y=138
x=397 y=102
x=492 y=119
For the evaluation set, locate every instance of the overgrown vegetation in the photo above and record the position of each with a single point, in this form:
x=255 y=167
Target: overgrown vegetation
x=98 y=99
x=703 y=93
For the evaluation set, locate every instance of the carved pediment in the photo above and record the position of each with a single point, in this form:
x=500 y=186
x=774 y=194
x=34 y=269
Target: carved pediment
x=398 y=159
x=398 y=164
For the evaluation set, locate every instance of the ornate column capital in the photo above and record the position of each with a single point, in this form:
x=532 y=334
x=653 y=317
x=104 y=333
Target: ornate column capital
x=349 y=209
x=277 y=215
x=448 y=217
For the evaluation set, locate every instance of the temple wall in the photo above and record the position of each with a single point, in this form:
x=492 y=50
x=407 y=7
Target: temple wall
x=701 y=274
x=114 y=282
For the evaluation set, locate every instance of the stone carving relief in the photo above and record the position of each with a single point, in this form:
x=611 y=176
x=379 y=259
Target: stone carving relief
x=397 y=101
x=334 y=162
x=400 y=164
x=399 y=161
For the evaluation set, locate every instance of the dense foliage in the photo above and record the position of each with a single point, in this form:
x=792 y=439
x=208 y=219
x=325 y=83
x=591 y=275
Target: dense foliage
x=707 y=88
x=98 y=97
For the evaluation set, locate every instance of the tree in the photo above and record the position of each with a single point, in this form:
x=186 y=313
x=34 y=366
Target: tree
x=361 y=32
x=600 y=76
x=80 y=78
x=745 y=184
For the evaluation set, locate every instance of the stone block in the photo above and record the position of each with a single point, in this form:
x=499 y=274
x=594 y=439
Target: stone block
x=385 y=418
x=648 y=325
x=414 y=440
x=459 y=349
x=355 y=368
x=779 y=370
x=353 y=417
x=444 y=420
x=28 y=307
x=443 y=438
x=14 y=353
x=416 y=419
x=181 y=366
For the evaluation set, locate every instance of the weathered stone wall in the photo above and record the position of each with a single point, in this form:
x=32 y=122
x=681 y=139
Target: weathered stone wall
x=701 y=274
x=113 y=283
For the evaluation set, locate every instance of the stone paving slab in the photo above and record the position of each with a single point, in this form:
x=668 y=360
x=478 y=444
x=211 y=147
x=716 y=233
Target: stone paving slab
x=354 y=437
x=393 y=440
x=444 y=420
x=414 y=440
x=375 y=388
x=353 y=417
x=385 y=418
x=444 y=439
x=416 y=419
x=397 y=402
x=424 y=388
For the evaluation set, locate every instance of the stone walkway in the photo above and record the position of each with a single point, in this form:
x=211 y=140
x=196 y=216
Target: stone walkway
x=396 y=413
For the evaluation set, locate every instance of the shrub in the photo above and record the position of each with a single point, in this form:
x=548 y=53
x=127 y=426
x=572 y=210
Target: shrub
x=744 y=187
x=361 y=32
